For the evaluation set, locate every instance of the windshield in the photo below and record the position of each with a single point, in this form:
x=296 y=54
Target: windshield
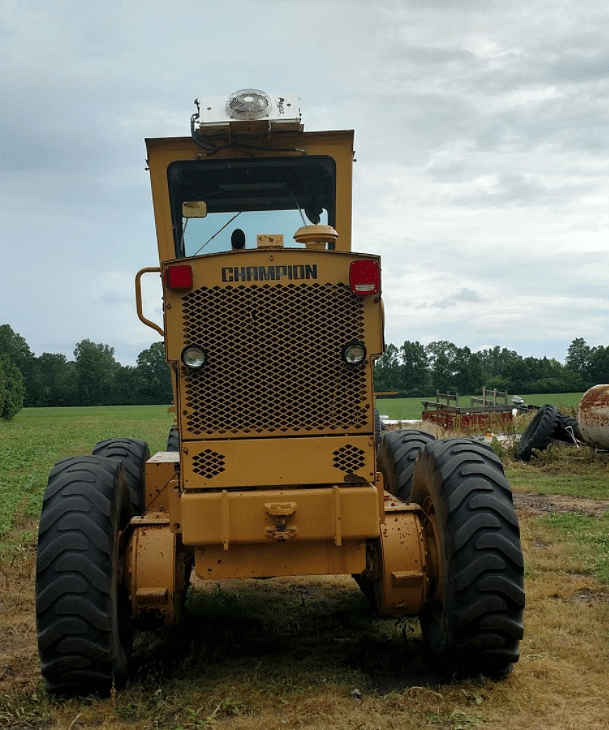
x=213 y=201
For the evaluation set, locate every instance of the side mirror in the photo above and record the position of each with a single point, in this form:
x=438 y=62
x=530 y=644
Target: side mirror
x=194 y=209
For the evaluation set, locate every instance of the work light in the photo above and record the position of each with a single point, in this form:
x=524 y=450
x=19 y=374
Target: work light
x=194 y=357
x=354 y=352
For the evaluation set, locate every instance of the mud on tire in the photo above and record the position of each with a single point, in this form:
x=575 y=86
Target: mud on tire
x=472 y=622
x=83 y=618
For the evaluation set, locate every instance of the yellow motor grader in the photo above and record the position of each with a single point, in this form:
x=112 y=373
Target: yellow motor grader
x=276 y=465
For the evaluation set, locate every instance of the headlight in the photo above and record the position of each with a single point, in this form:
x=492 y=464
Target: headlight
x=194 y=357
x=354 y=353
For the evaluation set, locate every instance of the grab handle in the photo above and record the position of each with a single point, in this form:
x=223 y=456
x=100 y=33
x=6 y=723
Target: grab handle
x=138 y=297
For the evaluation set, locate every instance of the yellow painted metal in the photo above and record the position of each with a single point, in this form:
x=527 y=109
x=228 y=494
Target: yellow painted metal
x=278 y=462
x=280 y=559
x=157 y=567
x=335 y=144
x=397 y=566
x=160 y=472
x=272 y=493
x=380 y=490
x=221 y=281
x=301 y=516
x=244 y=268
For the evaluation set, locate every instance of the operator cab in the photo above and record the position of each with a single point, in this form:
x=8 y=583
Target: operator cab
x=217 y=206
x=250 y=177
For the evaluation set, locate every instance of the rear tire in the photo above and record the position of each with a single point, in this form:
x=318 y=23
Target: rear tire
x=539 y=433
x=472 y=622
x=173 y=440
x=378 y=428
x=133 y=454
x=82 y=610
x=397 y=455
x=567 y=425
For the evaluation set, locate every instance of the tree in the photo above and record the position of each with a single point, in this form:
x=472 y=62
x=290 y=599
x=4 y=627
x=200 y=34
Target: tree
x=154 y=375
x=455 y=369
x=95 y=370
x=438 y=348
x=12 y=390
x=387 y=370
x=467 y=371
x=57 y=380
x=415 y=379
x=579 y=356
x=494 y=361
x=16 y=348
x=598 y=369
x=442 y=374
x=126 y=386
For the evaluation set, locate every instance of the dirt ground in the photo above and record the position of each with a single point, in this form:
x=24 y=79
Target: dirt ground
x=531 y=504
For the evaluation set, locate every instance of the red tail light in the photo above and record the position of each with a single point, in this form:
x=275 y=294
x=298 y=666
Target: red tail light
x=365 y=277
x=178 y=277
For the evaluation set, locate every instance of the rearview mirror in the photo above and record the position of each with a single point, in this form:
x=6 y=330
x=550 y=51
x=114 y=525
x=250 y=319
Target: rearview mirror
x=194 y=209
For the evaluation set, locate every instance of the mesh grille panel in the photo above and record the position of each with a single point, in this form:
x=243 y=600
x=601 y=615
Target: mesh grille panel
x=274 y=359
x=208 y=464
x=349 y=459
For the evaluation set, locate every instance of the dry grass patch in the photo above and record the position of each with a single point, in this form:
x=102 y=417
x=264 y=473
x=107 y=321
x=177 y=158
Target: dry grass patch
x=290 y=653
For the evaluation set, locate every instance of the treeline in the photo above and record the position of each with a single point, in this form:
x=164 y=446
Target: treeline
x=415 y=370
x=93 y=378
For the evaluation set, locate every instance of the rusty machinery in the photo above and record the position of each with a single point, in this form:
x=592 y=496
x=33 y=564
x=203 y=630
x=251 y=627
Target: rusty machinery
x=274 y=466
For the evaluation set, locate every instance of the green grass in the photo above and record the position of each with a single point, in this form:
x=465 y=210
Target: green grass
x=580 y=480
x=38 y=437
x=564 y=470
x=588 y=535
x=410 y=409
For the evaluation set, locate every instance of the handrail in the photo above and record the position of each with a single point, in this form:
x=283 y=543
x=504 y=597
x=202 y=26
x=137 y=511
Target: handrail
x=138 y=298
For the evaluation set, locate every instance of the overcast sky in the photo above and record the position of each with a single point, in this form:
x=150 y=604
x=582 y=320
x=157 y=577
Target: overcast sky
x=481 y=131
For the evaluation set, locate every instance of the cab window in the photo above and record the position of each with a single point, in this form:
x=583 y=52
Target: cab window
x=214 y=201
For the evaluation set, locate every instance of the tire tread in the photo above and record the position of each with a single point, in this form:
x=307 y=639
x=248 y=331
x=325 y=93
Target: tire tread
x=74 y=574
x=481 y=622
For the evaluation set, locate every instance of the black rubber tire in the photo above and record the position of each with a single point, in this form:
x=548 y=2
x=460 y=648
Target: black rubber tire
x=396 y=458
x=133 y=454
x=539 y=433
x=472 y=623
x=83 y=618
x=173 y=440
x=566 y=424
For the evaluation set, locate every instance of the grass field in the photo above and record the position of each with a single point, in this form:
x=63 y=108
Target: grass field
x=309 y=652
x=38 y=437
x=409 y=409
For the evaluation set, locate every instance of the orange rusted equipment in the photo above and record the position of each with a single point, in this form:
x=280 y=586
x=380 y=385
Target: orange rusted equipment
x=275 y=465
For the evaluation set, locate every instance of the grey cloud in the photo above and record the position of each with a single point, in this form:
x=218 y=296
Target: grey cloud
x=578 y=70
x=115 y=297
x=513 y=189
x=464 y=295
x=425 y=56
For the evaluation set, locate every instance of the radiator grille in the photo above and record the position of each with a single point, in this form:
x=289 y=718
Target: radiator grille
x=274 y=360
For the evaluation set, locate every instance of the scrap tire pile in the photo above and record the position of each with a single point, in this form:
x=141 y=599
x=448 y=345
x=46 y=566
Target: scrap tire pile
x=547 y=425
